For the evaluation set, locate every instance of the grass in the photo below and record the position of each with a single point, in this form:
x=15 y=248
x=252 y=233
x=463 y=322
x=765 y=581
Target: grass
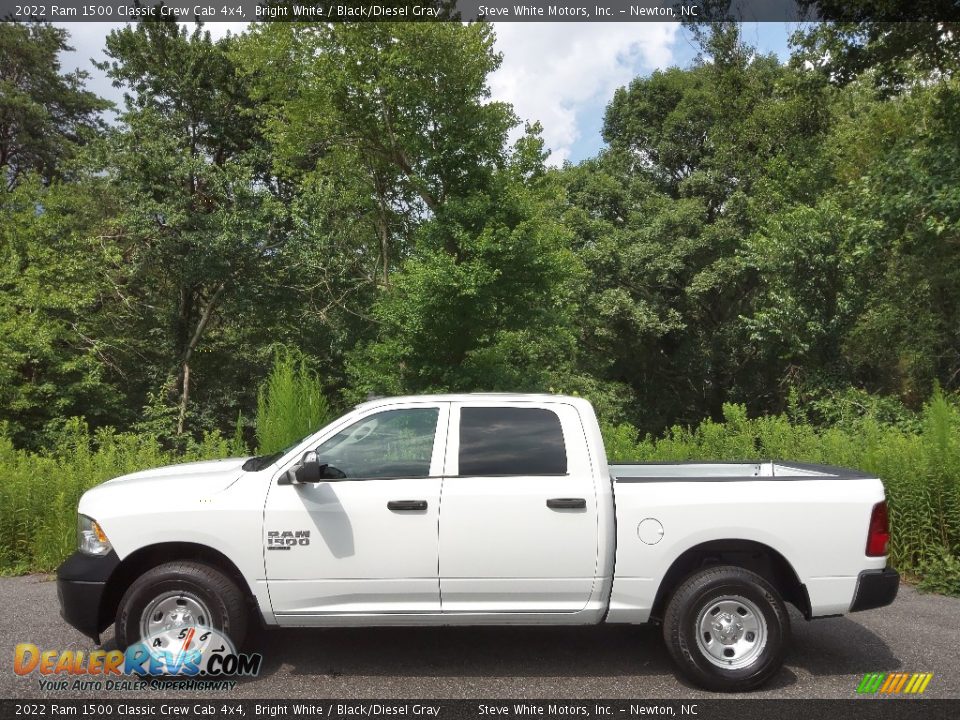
x=39 y=492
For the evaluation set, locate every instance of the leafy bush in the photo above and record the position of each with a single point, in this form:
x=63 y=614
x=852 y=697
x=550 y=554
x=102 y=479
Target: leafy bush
x=290 y=404
x=941 y=574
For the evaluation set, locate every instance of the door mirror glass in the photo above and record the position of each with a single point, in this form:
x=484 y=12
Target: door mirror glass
x=329 y=472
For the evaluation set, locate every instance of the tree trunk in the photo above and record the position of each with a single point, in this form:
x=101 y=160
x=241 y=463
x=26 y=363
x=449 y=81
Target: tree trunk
x=184 y=399
x=184 y=373
x=383 y=229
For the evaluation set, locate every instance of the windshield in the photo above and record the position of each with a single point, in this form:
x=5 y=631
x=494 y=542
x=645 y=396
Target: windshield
x=259 y=462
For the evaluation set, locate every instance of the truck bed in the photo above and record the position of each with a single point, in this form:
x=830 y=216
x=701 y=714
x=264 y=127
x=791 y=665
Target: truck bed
x=816 y=516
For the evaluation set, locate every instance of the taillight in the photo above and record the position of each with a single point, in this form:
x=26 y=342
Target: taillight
x=878 y=536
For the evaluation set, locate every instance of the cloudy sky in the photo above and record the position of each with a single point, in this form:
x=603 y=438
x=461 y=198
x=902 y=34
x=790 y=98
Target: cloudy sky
x=562 y=74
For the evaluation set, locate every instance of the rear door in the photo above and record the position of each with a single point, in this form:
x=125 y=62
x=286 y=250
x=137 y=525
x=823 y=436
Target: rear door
x=518 y=517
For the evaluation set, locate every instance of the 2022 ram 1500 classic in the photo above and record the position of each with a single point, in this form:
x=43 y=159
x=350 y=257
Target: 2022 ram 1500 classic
x=486 y=509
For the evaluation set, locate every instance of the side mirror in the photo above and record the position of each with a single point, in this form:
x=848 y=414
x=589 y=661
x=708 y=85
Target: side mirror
x=308 y=470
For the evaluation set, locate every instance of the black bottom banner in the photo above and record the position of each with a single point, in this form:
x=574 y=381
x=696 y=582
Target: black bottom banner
x=710 y=709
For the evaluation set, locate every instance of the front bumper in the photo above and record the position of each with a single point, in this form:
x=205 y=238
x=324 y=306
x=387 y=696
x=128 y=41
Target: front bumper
x=81 y=582
x=875 y=588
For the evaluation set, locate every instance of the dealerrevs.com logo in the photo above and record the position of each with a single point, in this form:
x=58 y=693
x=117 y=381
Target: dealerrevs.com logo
x=894 y=683
x=188 y=654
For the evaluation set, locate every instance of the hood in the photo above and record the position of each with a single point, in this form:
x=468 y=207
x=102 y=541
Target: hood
x=120 y=505
x=204 y=471
x=208 y=475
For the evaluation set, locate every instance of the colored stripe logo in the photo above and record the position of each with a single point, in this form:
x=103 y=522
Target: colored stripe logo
x=894 y=683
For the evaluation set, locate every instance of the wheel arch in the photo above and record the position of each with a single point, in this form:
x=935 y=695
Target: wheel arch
x=751 y=555
x=150 y=556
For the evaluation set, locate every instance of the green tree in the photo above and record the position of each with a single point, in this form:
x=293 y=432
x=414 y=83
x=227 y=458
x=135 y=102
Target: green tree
x=897 y=45
x=422 y=209
x=485 y=301
x=661 y=220
x=45 y=114
x=290 y=404
x=396 y=116
x=199 y=224
x=858 y=279
x=53 y=361
x=905 y=208
x=57 y=355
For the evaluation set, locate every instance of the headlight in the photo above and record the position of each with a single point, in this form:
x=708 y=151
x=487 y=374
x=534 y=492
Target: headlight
x=91 y=540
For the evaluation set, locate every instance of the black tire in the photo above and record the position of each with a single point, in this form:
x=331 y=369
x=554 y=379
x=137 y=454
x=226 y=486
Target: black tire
x=691 y=602
x=226 y=602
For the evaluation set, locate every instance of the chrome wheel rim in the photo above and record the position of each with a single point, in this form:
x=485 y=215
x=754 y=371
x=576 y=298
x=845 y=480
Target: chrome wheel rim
x=167 y=614
x=731 y=632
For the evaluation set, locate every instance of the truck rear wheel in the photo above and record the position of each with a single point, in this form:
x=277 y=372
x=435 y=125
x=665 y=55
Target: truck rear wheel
x=727 y=629
x=181 y=594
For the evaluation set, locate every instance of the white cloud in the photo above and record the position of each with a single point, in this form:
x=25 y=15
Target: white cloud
x=220 y=29
x=553 y=72
x=561 y=74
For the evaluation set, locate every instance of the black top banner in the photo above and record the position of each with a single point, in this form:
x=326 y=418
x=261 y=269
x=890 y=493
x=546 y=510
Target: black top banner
x=245 y=11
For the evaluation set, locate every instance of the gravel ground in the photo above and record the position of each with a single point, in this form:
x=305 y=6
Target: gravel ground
x=827 y=659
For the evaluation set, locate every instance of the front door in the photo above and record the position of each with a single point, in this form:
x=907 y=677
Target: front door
x=365 y=543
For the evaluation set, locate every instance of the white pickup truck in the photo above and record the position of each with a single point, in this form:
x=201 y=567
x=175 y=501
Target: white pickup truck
x=482 y=509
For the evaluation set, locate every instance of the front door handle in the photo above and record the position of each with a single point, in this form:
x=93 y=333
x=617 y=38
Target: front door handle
x=566 y=503
x=407 y=505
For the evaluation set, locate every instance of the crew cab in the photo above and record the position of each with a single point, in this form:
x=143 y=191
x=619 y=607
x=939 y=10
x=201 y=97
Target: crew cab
x=482 y=509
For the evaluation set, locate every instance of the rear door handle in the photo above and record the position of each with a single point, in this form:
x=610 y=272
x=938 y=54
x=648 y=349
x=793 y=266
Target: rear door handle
x=407 y=505
x=566 y=503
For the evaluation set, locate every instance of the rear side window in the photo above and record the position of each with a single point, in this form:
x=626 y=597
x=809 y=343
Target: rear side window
x=511 y=441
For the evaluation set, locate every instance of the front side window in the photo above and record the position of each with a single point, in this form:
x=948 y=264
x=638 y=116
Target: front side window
x=511 y=441
x=390 y=444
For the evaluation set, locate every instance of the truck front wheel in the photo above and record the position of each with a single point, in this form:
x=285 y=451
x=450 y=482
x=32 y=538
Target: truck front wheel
x=727 y=629
x=181 y=594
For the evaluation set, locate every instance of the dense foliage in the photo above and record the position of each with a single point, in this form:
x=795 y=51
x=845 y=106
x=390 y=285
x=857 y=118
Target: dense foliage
x=783 y=237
